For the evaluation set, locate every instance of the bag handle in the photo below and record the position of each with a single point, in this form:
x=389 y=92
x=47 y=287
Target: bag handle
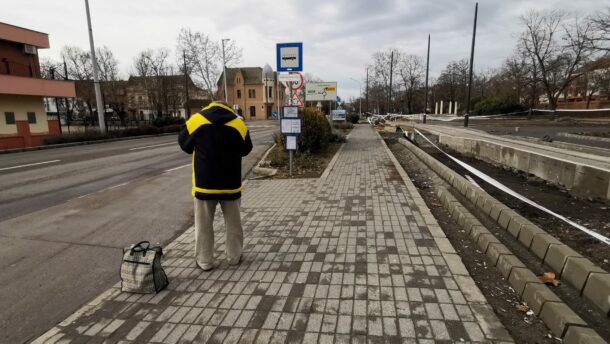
x=142 y=246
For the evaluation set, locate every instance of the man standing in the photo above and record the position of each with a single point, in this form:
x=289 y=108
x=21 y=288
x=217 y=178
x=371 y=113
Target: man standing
x=218 y=139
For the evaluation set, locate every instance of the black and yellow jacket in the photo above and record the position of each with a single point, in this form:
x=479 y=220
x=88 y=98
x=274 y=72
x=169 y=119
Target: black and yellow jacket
x=217 y=138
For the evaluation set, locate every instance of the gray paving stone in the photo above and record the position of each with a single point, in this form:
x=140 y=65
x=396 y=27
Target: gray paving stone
x=353 y=257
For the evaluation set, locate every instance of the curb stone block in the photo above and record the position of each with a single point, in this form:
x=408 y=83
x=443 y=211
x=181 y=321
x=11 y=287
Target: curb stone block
x=558 y=316
x=469 y=222
x=520 y=277
x=597 y=290
x=494 y=213
x=582 y=335
x=481 y=198
x=477 y=231
x=541 y=243
x=557 y=255
x=462 y=219
x=494 y=251
x=537 y=294
x=577 y=271
x=516 y=224
x=472 y=195
x=506 y=263
x=484 y=240
x=505 y=216
x=527 y=233
x=459 y=211
x=486 y=206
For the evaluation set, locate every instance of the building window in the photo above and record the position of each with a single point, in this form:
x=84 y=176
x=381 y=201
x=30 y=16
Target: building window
x=252 y=111
x=270 y=92
x=251 y=93
x=238 y=94
x=9 y=117
x=32 y=117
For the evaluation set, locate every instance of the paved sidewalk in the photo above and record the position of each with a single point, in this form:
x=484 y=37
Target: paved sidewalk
x=354 y=256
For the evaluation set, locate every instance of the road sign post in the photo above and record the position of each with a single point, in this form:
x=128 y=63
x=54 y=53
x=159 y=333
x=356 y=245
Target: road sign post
x=290 y=126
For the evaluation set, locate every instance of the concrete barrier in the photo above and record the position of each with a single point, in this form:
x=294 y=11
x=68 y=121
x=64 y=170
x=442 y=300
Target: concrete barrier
x=580 y=180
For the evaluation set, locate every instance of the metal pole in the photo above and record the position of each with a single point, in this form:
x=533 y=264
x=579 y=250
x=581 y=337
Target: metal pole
x=474 y=33
x=68 y=111
x=96 y=81
x=427 y=69
x=360 y=86
x=367 y=89
x=56 y=101
x=277 y=93
x=224 y=68
x=391 y=72
x=290 y=151
x=187 y=110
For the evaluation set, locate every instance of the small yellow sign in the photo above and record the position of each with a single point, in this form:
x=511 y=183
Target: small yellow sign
x=330 y=89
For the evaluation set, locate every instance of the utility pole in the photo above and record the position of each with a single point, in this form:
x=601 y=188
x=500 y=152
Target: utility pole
x=367 y=89
x=474 y=34
x=391 y=72
x=426 y=88
x=359 y=98
x=224 y=68
x=187 y=110
x=96 y=81
x=56 y=101
x=68 y=111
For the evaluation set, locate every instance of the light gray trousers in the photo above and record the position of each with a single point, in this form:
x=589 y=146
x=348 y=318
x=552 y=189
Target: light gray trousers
x=204 y=231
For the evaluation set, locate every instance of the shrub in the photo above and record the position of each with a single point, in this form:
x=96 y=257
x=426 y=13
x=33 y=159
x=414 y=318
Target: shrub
x=343 y=125
x=353 y=118
x=94 y=135
x=163 y=121
x=314 y=130
x=497 y=105
x=277 y=157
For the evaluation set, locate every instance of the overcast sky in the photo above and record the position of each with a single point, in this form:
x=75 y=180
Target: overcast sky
x=339 y=36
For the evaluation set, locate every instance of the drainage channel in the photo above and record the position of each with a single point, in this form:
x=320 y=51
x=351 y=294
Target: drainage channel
x=503 y=297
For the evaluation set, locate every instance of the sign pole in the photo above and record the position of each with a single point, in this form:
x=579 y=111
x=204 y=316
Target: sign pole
x=474 y=34
x=427 y=68
x=290 y=151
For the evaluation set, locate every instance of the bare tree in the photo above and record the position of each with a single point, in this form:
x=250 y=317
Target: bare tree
x=308 y=77
x=411 y=71
x=379 y=82
x=601 y=25
x=558 y=46
x=153 y=67
x=452 y=83
x=204 y=57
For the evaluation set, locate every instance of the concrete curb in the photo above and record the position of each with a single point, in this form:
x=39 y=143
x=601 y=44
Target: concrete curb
x=580 y=179
x=471 y=291
x=584 y=137
x=555 y=314
x=591 y=280
x=72 y=144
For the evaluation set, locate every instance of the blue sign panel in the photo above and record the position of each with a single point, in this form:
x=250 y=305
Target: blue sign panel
x=290 y=57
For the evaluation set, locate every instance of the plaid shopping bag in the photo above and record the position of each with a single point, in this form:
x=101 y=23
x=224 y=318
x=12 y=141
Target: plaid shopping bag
x=141 y=270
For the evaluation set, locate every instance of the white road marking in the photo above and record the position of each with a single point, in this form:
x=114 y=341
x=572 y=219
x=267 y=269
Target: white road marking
x=26 y=165
x=161 y=144
x=176 y=168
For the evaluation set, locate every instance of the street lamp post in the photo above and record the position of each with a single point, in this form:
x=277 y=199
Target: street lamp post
x=224 y=68
x=96 y=80
x=359 y=98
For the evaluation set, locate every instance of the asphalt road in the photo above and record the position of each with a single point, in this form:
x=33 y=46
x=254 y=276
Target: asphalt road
x=66 y=214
